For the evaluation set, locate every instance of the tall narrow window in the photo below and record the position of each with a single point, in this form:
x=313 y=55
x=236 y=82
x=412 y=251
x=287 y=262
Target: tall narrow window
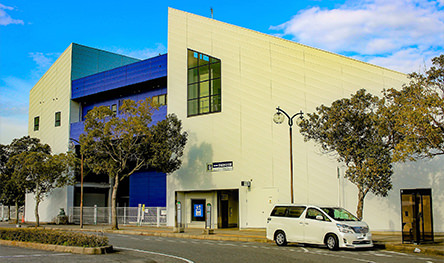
x=58 y=118
x=36 y=123
x=162 y=100
x=114 y=109
x=204 y=84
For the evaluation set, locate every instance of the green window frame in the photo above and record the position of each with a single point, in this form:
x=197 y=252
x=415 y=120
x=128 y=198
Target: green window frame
x=161 y=100
x=58 y=119
x=36 y=123
x=114 y=109
x=204 y=84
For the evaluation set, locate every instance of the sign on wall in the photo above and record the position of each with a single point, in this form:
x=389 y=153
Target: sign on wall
x=198 y=210
x=220 y=166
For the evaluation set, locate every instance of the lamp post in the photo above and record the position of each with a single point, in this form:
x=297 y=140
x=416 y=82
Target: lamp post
x=278 y=118
x=81 y=184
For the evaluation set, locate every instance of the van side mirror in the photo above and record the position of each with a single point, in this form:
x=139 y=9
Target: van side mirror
x=319 y=217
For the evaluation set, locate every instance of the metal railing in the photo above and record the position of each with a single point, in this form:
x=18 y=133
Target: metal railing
x=5 y=213
x=155 y=216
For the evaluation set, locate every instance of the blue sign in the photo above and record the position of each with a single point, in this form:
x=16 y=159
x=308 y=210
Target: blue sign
x=198 y=210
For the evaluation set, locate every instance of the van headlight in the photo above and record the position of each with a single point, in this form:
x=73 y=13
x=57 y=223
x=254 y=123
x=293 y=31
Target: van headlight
x=345 y=228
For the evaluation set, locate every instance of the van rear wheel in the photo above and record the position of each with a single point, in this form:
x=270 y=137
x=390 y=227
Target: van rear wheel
x=280 y=238
x=332 y=242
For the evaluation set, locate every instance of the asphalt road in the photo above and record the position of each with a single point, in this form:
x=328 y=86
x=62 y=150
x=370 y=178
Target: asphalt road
x=161 y=249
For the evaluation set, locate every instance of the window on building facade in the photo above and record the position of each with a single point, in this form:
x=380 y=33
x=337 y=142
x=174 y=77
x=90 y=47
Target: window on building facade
x=204 y=84
x=161 y=99
x=114 y=109
x=36 y=123
x=58 y=119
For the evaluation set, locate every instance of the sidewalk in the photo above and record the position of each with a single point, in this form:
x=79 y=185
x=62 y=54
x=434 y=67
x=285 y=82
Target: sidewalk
x=383 y=240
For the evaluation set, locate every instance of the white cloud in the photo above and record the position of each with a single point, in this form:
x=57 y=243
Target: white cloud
x=372 y=28
x=43 y=61
x=142 y=53
x=6 y=19
x=405 y=60
x=11 y=128
x=14 y=96
x=14 y=99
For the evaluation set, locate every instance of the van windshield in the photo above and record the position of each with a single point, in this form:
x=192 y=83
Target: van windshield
x=339 y=214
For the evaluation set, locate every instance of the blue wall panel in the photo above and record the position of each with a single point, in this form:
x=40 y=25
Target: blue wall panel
x=77 y=128
x=134 y=73
x=135 y=97
x=149 y=188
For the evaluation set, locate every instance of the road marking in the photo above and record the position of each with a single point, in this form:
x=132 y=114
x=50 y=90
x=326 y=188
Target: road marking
x=305 y=250
x=35 y=255
x=394 y=252
x=382 y=255
x=155 y=253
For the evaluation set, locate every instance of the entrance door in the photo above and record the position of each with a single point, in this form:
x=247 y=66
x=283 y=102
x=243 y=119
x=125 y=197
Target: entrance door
x=228 y=208
x=224 y=213
x=417 y=219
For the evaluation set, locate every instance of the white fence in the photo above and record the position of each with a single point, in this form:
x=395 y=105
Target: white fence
x=4 y=213
x=155 y=216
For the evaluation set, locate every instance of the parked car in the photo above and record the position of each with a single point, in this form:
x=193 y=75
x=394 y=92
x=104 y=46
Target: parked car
x=333 y=226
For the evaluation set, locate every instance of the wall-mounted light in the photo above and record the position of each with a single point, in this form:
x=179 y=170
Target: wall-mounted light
x=246 y=183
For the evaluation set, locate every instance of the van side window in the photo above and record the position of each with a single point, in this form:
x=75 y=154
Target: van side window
x=312 y=213
x=295 y=211
x=279 y=211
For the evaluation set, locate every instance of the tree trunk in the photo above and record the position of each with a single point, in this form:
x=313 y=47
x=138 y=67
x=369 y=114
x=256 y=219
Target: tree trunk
x=361 y=197
x=16 y=212
x=114 y=223
x=36 y=211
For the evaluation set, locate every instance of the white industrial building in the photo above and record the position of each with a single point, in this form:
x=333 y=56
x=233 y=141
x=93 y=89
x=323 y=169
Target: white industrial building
x=225 y=82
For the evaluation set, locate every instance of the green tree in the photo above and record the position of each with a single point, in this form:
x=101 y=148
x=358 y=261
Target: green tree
x=119 y=145
x=13 y=189
x=350 y=129
x=416 y=114
x=42 y=172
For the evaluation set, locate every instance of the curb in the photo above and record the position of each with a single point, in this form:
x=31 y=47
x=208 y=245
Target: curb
x=59 y=248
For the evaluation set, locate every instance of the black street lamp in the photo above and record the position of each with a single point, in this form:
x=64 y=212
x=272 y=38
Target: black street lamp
x=278 y=118
x=81 y=184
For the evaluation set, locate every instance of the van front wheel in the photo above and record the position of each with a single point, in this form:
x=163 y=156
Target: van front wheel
x=280 y=238
x=332 y=242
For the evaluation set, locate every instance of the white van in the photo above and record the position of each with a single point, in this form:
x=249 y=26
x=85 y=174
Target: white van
x=333 y=226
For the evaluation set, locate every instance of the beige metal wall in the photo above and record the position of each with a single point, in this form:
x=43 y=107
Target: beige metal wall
x=52 y=94
x=259 y=73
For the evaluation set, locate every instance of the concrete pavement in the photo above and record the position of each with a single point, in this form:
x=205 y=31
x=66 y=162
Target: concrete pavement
x=385 y=240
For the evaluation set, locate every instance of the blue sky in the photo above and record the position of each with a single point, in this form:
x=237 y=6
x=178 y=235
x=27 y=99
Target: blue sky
x=399 y=34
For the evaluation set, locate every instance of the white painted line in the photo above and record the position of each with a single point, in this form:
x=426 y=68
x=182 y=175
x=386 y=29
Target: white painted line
x=228 y=244
x=305 y=250
x=155 y=253
x=394 y=252
x=382 y=255
x=36 y=255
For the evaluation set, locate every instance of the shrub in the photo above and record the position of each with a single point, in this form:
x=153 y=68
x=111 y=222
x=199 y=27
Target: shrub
x=53 y=237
